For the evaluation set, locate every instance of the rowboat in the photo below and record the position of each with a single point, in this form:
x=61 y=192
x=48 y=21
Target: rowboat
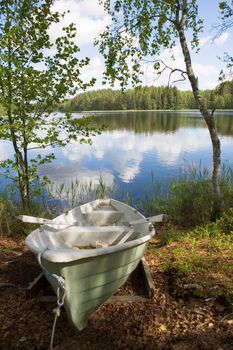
x=93 y=248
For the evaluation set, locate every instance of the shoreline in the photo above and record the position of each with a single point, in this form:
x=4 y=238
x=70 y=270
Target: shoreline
x=148 y=110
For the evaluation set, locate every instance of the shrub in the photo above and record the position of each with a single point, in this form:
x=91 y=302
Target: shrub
x=225 y=223
x=191 y=201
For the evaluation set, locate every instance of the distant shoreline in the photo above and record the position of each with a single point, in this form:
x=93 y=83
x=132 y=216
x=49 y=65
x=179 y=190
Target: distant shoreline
x=147 y=110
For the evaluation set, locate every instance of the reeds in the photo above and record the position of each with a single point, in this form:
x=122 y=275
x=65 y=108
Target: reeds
x=188 y=199
x=68 y=195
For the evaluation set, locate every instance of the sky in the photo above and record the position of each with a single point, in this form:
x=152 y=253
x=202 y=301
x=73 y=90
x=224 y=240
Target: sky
x=91 y=20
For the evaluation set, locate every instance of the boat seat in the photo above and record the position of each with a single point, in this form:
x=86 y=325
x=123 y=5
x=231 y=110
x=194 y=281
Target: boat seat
x=101 y=217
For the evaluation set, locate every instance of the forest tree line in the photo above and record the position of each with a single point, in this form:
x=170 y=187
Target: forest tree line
x=150 y=98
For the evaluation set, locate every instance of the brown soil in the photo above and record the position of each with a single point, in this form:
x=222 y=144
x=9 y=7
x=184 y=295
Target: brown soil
x=171 y=320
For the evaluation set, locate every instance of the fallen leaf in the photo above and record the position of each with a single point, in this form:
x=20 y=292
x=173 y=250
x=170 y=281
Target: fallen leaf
x=23 y=339
x=163 y=328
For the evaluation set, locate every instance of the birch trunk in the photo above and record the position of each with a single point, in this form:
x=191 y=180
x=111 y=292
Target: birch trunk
x=208 y=117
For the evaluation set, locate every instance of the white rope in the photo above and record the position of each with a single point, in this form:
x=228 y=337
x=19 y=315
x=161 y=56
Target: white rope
x=60 y=300
x=57 y=312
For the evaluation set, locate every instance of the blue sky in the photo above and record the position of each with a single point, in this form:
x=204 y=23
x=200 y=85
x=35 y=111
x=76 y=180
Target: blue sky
x=91 y=20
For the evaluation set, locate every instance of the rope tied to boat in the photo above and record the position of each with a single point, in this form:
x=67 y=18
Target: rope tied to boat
x=61 y=294
x=57 y=311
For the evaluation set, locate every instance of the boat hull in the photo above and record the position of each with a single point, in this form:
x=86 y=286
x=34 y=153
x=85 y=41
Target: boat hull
x=119 y=234
x=91 y=281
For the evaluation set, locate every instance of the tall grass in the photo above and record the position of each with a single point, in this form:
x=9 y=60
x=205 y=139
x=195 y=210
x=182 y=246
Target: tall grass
x=68 y=195
x=189 y=199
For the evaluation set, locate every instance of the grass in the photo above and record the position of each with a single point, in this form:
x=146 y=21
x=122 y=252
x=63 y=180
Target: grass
x=54 y=200
x=203 y=255
x=4 y=250
x=189 y=199
x=68 y=195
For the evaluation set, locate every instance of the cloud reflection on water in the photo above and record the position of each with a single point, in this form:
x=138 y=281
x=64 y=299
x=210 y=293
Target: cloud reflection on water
x=129 y=155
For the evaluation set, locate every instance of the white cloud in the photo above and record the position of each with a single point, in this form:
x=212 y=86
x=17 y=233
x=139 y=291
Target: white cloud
x=222 y=39
x=204 y=41
x=127 y=150
x=94 y=70
x=89 y=8
x=212 y=40
x=202 y=71
x=59 y=174
x=90 y=19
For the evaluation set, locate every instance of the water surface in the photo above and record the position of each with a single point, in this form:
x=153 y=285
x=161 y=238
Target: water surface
x=136 y=144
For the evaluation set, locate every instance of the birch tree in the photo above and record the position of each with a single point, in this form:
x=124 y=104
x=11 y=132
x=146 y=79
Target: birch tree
x=36 y=75
x=141 y=30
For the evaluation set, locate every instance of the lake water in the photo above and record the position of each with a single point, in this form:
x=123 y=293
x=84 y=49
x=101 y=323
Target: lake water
x=136 y=144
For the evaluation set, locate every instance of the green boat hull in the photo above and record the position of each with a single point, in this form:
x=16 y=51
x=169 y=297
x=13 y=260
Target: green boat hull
x=91 y=281
x=94 y=248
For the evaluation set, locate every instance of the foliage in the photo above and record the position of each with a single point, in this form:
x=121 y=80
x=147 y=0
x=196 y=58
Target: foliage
x=140 y=31
x=226 y=9
x=35 y=75
x=189 y=199
x=225 y=223
x=10 y=208
x=148 y=98
x=7 y=214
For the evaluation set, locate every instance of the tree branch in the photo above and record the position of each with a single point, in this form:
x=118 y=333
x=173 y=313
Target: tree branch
x=172 y=71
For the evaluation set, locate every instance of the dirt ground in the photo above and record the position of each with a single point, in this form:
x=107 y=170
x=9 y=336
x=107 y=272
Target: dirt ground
x=171 y=320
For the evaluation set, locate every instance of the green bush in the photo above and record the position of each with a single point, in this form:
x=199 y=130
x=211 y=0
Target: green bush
x=7 y=215
x=225 y=223
x=191 y=201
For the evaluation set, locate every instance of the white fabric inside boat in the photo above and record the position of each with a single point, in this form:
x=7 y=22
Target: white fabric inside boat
x=61 y=244
x=63 y=255
x=90 y=234
x=46 y=238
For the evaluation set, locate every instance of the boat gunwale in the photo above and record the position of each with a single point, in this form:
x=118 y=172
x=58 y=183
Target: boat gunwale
x=70 y=254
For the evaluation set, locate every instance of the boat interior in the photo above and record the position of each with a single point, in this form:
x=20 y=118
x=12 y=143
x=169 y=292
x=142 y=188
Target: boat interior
x=98 y=224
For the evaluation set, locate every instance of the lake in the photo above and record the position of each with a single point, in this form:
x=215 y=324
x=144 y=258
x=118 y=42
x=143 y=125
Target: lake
x=136 y=145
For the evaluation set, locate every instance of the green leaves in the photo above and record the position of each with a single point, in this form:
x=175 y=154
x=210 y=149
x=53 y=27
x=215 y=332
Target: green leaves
x=142 y=29
x=35 y=76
